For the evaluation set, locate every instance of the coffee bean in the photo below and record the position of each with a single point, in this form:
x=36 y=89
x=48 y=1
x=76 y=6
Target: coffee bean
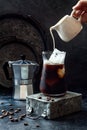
x=52 y=100
x=11 y=113
x=11 y=109
x=10 y=105
x=24 y=115
x=3 y=111
x=6 y=114
x=16 y=119
x=25 y=123
x=2 y=103
x=16 y=111
x=39 y=97
x=10 y=117
x=19 y=109
x=1 y=116
x=12 y=120
x=48 y=98
x=37 y=125
x=20 y=118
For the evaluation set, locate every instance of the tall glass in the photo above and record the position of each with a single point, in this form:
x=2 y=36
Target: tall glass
x=53 y=76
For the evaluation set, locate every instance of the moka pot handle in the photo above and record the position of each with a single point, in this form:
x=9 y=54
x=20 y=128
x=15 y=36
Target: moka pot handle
x=6 y=71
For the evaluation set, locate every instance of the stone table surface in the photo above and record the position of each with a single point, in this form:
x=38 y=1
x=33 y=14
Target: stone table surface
x=75 y=121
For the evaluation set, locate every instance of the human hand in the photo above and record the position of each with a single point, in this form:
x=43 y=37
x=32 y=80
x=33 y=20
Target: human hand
x=80 y=10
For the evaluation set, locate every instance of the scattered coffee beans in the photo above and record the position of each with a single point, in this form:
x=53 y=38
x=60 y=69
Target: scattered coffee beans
x=14 y=114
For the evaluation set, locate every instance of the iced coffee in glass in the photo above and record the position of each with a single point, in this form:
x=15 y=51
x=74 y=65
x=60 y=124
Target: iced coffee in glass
x=53 y=73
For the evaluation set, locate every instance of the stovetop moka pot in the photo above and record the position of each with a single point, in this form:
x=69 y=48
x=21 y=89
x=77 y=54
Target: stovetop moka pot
x=22 y=76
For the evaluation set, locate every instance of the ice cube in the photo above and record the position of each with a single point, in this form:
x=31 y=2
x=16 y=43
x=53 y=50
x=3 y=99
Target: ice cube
x=61 y=72
x=57 y=57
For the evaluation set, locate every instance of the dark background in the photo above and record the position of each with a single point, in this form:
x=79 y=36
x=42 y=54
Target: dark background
x=48 y=12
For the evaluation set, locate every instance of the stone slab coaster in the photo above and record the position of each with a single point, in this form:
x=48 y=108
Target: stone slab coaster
x=53 y=107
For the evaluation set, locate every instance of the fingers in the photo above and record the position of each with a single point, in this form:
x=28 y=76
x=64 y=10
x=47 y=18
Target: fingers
x=76 y=6
x=84 y=17
x=80 y=14
x=76 y=13
x=80 y=10
x=81 y=5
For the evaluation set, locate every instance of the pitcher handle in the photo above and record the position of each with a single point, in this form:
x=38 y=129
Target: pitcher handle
x=79 y=19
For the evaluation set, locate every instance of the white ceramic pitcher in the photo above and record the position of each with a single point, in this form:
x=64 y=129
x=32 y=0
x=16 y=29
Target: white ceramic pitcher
x=68 y=27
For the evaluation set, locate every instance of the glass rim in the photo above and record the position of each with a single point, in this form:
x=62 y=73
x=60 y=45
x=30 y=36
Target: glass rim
x=46 y=52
